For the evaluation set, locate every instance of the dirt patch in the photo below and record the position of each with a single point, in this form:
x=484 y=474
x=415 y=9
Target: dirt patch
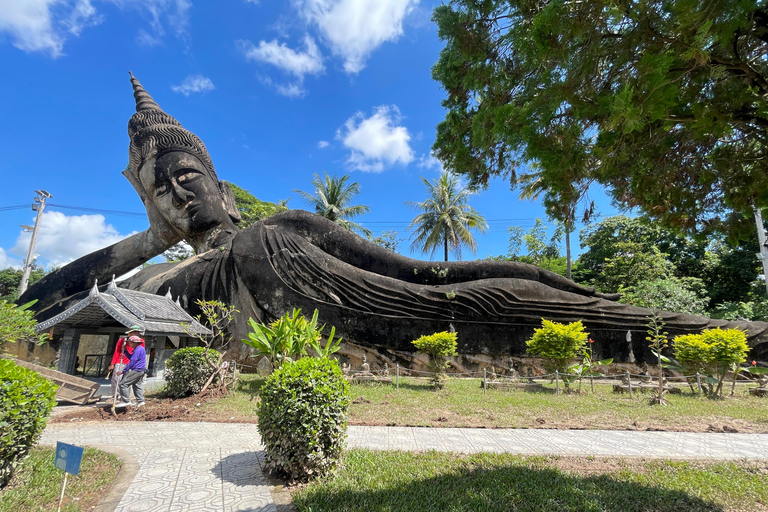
x=156 y=409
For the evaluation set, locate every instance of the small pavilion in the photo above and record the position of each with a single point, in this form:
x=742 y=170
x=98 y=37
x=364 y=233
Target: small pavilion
x=166 y=326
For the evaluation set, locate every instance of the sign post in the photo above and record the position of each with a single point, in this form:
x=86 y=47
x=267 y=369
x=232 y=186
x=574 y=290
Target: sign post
x=68 y=458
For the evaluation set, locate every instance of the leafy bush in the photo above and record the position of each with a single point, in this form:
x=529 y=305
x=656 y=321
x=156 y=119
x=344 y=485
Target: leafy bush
x=681 y=295
x=26 y=400
x=289 y=336
x=18 y=323
x=303 y=417
x=439 y=346
x=712 y=352
x=558 y=343
x=187 y=370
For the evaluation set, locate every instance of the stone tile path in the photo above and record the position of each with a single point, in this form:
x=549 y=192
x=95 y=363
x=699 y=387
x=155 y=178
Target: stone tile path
x=219 y=466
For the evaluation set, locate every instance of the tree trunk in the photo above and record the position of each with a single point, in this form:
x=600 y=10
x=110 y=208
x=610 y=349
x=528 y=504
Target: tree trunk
x=761 y=241
x=445 y=244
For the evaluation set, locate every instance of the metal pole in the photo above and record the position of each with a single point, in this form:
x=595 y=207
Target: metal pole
x=42 y=195
x=557 y=382
x=763 y=256
x=698 y=383
x=397 y=376
x=629 y=383
x=484 y=379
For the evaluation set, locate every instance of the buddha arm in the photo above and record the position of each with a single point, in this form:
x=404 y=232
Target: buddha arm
x=101 y=265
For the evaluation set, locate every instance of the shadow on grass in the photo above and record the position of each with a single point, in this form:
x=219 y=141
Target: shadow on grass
x=508 y=488
x=250 y=386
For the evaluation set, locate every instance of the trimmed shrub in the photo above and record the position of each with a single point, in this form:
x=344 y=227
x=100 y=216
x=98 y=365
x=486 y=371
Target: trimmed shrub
x=26 y=400
x=303 y=418
x=187 y=371
x=712 y=352
x=558 y=344
x=439 y=346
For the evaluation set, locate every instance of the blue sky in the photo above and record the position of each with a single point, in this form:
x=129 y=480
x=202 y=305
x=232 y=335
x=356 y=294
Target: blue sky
x=276 y=90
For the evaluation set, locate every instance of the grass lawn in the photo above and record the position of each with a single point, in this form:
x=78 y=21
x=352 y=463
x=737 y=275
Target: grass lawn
x=463 y=404
x=37 y=485
x=431 y=481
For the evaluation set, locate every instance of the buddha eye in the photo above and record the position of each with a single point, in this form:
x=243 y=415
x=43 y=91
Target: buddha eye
x=162 y=188
x=187 y=175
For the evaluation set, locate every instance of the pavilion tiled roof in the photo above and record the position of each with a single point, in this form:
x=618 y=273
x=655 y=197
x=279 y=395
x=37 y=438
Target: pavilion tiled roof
x=156 y=314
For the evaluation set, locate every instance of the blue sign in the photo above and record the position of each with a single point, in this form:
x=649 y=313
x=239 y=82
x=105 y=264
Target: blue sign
x=68 y=457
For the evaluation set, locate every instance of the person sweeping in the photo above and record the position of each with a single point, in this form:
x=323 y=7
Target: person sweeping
x=120 y=358
x=132 y=376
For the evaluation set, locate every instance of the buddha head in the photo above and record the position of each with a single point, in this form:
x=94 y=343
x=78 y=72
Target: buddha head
x=171 y=168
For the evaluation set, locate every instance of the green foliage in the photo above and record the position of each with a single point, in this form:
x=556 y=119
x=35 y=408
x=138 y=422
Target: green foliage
x=750 y=310
x=10 y=278
x=664 y=103
x=447 y=218
x=216 y=316
x=179 y=252
x=712 y=352
x=303 y=418
x=18 y=323
x=439 y=346
x=252 y=209
x=388 y=239
x=332 y=199
x=658 y=340
x=188 y=370
x=558 y=343
x=289 y=336
x=26 y=400
x=586 y=368
x=681 y=295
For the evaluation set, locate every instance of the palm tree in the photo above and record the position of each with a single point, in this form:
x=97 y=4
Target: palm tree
x=447 y=218
x=560 y=205
x=332 y=198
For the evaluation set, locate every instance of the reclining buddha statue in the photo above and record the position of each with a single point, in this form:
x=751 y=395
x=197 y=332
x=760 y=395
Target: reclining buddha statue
x=375 y=298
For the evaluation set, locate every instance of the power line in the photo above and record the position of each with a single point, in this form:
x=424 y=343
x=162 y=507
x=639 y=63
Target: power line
x=99 y=210
x=9 y=208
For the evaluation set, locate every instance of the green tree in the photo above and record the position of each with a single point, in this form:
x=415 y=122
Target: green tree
x=446 y=219
x=560 y=205
x=10 y=278
x=252 y=209
x=332 y=199
x=663 y=102
x=388 y=239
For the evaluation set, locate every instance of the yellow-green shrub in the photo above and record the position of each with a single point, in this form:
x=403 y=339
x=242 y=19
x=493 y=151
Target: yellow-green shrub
x=439 y=346
x=558 y=343
x=712 y=352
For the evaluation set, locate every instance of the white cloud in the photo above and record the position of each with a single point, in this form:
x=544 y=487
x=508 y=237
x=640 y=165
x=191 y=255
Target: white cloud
x=292 y=62
x=355 y=28
x=323 y=144
x=45 y=25
x=376 y=142
x=430 y=162
x=6 y=261
x=194 y=83
x=63 y=238
x=296 y=63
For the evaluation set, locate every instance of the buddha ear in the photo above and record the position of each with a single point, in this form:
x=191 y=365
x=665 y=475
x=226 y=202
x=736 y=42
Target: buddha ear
x=229 y=201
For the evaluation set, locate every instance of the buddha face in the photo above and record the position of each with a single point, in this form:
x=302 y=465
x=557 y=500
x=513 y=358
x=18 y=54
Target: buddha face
x=184 y=193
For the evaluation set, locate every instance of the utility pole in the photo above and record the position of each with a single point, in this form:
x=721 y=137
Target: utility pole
x=39 y=206
x=763 y=256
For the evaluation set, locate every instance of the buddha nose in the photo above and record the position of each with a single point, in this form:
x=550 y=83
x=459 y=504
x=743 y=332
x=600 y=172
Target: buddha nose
x=180 y=195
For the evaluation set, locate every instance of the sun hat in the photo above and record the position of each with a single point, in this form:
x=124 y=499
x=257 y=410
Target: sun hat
x=135 y=328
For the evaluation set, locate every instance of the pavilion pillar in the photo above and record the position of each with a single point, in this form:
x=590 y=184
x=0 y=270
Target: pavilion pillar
x=70 y=343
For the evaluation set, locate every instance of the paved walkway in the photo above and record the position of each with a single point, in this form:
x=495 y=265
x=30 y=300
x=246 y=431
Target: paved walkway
x=182 y=467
